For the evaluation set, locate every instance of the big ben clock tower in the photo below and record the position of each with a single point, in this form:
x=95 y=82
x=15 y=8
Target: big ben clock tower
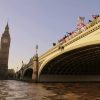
x=4 y=53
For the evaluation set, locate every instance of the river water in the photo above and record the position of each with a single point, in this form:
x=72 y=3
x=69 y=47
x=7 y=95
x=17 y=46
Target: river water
x=17 y=90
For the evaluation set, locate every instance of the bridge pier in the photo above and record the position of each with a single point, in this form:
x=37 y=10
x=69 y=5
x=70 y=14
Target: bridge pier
x=35 y=68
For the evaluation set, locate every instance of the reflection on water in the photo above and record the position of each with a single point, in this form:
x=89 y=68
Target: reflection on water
x=16 y=90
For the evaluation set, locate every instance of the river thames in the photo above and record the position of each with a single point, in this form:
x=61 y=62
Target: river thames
x=17 y=90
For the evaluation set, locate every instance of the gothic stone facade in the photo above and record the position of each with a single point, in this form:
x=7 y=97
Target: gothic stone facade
x=4 y=53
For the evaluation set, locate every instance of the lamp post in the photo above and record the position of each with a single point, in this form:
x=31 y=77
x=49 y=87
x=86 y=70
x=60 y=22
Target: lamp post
x=16 y=73
x=22 y=70
x=36 y=63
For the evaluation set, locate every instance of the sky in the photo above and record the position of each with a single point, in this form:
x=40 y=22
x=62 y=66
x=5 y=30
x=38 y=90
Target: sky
x=41 y=22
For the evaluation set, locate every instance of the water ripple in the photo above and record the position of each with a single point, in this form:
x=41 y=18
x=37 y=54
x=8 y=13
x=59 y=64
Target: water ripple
x=17 y=90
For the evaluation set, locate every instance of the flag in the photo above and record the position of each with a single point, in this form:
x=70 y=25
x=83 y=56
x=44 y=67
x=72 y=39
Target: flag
x=81 y=19
x=80 y=22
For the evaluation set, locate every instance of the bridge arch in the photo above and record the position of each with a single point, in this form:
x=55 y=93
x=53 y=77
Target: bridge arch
x=27 y=75
x=88 y=53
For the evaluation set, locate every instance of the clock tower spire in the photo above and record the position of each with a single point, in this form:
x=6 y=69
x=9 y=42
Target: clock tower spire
x=7 y=27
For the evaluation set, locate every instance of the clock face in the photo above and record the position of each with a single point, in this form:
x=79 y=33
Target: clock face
x=5 y=40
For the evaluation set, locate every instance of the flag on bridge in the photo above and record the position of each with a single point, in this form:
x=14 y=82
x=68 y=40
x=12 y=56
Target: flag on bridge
x=80 y=22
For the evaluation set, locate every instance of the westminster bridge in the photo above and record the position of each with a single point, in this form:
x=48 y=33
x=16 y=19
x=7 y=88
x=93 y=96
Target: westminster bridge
x=75 y=58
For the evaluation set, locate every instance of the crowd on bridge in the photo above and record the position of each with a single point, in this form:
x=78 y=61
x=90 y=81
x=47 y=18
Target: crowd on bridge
x=81 y=26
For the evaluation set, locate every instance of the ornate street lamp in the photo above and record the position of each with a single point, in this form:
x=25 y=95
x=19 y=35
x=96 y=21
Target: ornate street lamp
x=36 y=63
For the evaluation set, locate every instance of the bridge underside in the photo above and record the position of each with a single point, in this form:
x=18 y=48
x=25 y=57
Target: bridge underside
x=81 y=64
x=28 y=74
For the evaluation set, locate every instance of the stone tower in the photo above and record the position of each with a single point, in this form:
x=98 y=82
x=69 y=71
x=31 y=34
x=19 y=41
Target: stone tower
x=4 y=53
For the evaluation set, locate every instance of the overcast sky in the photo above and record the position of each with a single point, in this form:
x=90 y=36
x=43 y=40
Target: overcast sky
x=40 y=22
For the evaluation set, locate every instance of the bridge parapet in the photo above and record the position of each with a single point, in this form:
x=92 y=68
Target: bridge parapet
x=86 y=30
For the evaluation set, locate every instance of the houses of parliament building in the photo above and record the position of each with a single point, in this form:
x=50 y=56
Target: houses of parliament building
x=4 y=53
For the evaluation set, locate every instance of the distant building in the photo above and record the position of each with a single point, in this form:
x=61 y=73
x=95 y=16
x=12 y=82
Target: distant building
x=4 y=53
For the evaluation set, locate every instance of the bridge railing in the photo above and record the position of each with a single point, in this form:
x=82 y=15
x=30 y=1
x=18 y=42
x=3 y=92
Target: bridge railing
x=89 y=28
